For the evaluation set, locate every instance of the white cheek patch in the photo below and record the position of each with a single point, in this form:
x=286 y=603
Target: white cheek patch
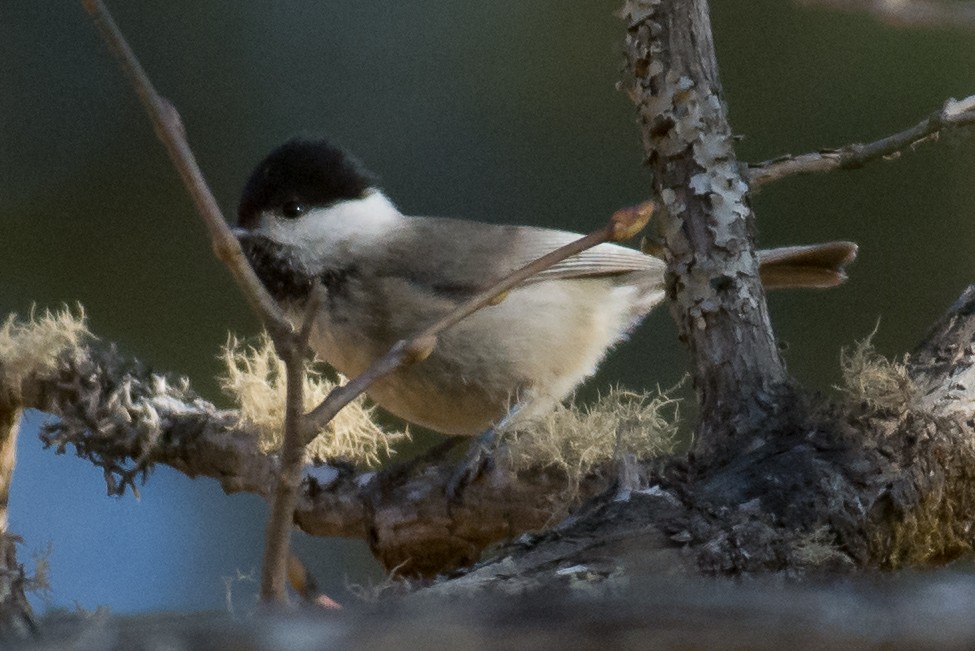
x=332 y=231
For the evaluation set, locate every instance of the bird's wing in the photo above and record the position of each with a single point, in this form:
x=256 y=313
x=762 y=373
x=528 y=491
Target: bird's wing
x=462 y=257
x=605 y=259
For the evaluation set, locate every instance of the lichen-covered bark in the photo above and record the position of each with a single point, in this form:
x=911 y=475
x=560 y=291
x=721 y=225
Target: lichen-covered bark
x=126 y=419
x=775 y=484
x=16 y=617
x=853 y=485
x=706 y=227
x=848 y=486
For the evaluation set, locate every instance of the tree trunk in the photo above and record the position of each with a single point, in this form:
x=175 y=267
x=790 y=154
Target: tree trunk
x=716 y=295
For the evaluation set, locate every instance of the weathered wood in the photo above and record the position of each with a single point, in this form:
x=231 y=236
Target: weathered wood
x=713 y=282
x=776 y=483
x=851 y=485
x=125 y=419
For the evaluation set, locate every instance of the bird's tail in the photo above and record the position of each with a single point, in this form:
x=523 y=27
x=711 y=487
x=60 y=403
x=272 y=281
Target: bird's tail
x=817 y=266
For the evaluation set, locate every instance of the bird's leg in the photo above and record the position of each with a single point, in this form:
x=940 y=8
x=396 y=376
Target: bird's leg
x=395 y=472
x=476 y=461
x=479 y=455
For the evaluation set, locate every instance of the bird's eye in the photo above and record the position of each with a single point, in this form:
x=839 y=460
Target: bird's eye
x=292 y=209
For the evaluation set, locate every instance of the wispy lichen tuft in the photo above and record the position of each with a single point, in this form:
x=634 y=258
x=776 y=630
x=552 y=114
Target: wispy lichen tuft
x=578 y=439
x=872 y=379
x=255 y=379
x=33 y=347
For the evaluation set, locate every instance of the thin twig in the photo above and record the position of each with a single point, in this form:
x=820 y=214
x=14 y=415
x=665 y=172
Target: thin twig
x=290 y=346
x=169 y=130
x=284 y=499
x=954 y=114
x=277 y=544
x=623 y=225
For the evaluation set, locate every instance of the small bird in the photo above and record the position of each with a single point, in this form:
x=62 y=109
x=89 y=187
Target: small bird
x=312 y=219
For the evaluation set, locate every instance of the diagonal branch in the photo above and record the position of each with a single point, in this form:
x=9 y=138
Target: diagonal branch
x=124 y=419
x=954 y=114
x=169 y=130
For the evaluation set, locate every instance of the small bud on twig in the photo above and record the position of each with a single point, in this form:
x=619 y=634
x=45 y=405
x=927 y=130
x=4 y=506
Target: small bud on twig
x=627 y=222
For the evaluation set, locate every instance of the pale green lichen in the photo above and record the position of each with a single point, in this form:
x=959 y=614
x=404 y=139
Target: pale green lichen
x=872 y=379
x=817 y=548
x=255 y=379
x=577 y=439
x=33 y=347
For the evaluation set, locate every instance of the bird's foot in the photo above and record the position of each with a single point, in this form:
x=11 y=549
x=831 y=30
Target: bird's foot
x=399 y=471
x=478 y=460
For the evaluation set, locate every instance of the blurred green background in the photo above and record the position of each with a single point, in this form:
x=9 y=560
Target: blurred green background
x=503 y=111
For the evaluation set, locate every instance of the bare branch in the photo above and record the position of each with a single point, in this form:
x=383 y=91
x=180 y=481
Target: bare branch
x=813 y=495
x=907 y=13
x=954 y=114
x=291 y=346
x=226 y=247
x=169 y=130
x=124 y=419
x=277 y=548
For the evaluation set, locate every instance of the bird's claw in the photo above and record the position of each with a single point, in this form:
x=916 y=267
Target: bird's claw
x=478 y=460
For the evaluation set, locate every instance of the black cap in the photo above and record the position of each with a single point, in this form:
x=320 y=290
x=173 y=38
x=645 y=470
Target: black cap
x=302 y=174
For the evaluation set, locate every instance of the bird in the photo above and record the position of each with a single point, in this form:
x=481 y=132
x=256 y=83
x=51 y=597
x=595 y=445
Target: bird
x=311 y=218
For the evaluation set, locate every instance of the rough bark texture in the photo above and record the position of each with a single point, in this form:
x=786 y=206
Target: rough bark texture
x=125 y=419
x=16 y=617
x=865 y=483
x=716 y=296
x=774 y=484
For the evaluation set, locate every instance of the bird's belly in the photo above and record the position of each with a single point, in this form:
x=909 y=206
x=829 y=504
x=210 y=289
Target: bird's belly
x=442 y=392
x=532 y=349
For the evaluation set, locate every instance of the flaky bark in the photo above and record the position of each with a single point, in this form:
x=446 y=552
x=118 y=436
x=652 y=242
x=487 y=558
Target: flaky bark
x=716 y=295
x=857 y=485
